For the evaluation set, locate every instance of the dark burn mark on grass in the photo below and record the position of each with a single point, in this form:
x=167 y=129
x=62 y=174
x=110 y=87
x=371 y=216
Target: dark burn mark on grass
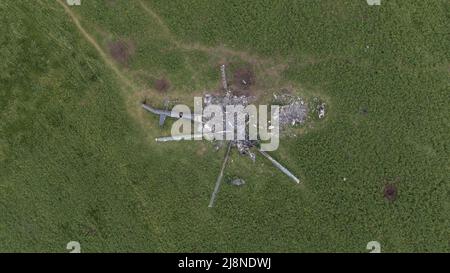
x=161 y=85
x=390 y=192
x=89 y=231
x=242 y=92
x=364 y=111
x=121 y=51
x=244 y=78
x=243 y=81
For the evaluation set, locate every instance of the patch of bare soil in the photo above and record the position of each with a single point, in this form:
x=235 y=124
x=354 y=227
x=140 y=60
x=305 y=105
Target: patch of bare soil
x=390 y=192
x=243 y=81
x=121 y=51
x=244 y=78
x=249 y=92
x=161 y=85
x=202 y=150
x=276 y=70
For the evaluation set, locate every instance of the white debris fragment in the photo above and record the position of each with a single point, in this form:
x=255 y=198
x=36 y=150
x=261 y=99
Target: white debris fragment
x=322 y=110
x=207 y=99
x=224 y=77
x=373 y=2
x=237 y=182
x=293 y=110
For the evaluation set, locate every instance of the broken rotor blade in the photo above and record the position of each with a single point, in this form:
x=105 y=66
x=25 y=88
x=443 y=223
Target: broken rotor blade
x=185 y=137
x=155 y=111
x=219 y=178
x=224 y=78
x=195 y=117
x=177 y=138
x=280 y=167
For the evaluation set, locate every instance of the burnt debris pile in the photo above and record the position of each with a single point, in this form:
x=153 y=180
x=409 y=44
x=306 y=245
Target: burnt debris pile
x=293 y=109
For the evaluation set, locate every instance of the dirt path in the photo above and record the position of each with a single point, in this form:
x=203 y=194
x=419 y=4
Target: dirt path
x=161 y=23
x=217 y=51
x=109 y=62
x=125 y=81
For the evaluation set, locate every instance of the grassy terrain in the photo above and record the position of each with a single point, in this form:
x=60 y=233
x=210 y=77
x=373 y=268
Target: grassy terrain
x=78 y=160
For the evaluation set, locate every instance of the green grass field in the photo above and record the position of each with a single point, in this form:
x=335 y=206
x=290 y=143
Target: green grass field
x=78 y=161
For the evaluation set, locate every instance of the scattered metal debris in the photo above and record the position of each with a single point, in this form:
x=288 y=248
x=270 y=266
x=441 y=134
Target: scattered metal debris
x=321 y=110
x=237 y=182
x=317 y=107
x=294 y=111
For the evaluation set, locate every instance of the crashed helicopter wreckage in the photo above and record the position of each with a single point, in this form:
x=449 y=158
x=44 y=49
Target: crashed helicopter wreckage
x=235 y=119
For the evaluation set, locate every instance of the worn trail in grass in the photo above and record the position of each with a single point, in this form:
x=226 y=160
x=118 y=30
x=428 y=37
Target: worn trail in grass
x=78 y=160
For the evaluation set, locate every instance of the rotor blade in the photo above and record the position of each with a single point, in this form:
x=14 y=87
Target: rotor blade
x=162 y=118
x=219 y=178
x=155 y=111
x=195 y=117
x=224 y=78
x=280 y=167
x=177 y=138
x=186 y=137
